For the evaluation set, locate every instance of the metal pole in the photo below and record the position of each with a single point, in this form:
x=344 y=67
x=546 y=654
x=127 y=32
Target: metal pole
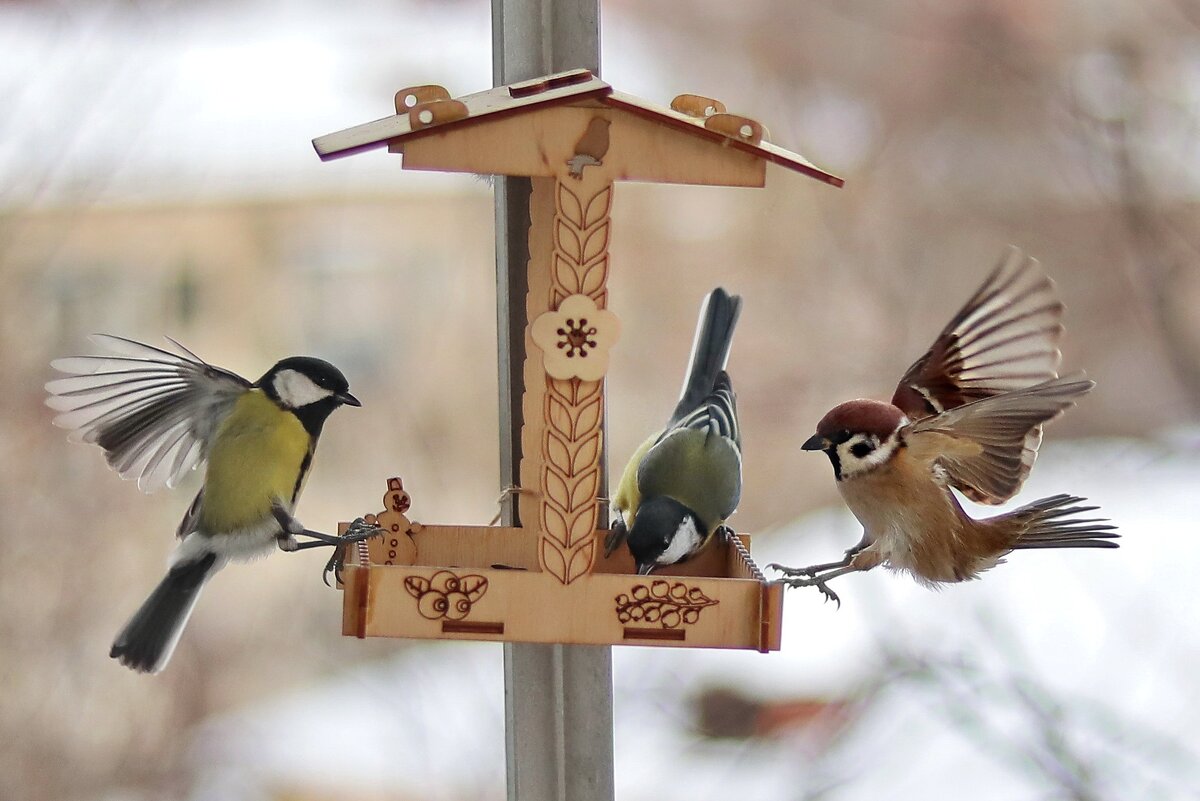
x=557 y=698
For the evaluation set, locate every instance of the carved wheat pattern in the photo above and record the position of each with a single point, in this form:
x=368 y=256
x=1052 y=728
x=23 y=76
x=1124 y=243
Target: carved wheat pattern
x=581 y=227
x=574 y=409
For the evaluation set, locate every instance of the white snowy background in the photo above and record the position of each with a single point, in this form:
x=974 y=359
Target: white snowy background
x=1095 y=647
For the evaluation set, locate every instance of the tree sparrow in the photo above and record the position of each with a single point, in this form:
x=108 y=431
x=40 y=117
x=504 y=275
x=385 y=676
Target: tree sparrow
x=967 y=415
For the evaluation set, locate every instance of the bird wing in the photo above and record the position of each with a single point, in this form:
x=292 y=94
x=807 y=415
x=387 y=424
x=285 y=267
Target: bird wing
x=986 y=448
x=698 y=460
x=152 y=411
x=1004 y=338
x=626 y=499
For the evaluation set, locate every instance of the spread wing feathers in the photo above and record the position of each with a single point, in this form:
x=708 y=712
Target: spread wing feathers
x=986 y=448
x=1052 y=523
x=1004 y=338
x=710 y=351
x=152 y=411
x=698 y=461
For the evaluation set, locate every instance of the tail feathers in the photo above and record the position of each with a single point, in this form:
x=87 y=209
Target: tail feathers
x=710 y=350
x=1050 y=523
x=149 y=638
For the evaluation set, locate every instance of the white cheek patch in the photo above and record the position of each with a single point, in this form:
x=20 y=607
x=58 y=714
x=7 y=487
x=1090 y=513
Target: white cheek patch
x=295 y=389
x=686 y=540
x=857 y=465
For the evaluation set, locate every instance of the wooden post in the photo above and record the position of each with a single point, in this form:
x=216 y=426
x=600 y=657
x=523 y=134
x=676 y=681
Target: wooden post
x=557 y=698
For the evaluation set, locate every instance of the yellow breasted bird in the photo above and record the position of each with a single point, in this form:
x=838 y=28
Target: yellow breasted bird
x=158 y=415
x=682 y=483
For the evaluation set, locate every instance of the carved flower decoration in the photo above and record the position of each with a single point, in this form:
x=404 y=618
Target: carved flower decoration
x=575 y=339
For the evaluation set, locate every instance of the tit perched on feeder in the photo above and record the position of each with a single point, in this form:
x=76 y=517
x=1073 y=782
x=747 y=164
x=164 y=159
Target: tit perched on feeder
x=682 y=483
x=157 y=415
x=967 y=415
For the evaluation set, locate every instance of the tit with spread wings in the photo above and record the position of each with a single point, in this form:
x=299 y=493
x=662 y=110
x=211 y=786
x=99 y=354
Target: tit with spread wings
x=157 y=415
x=967 y=415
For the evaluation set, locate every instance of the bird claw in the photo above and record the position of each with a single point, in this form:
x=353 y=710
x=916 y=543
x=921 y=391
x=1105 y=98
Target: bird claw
x=360 y=529
x=357 y=531
x=334 y=566
x=725 y=533
x=812 y=581
x=792 y=571
x=829 y=594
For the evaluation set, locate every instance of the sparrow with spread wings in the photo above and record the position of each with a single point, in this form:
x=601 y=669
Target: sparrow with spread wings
x=968 y=416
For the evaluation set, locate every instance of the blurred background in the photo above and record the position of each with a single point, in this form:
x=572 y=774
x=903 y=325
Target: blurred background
x=157 y=177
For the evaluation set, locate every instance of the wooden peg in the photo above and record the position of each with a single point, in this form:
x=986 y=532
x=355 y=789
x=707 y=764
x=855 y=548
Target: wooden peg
x=697 y=106
x=736 y=127
x=436 y=112
x=416 y=95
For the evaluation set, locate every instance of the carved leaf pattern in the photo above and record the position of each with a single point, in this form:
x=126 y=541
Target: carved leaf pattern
x=574 y=409
x=596 y=244
x=564 y=276
x=569 y=206
x=669 y=604
x=598 y=207
x=416 y=585
x=568 y=243
x=592 y=282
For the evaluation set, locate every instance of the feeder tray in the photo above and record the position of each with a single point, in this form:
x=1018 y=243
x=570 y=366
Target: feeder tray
x=486 y=583
x=548 y=581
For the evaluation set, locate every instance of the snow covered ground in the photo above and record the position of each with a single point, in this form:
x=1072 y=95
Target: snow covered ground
x=1090 y=655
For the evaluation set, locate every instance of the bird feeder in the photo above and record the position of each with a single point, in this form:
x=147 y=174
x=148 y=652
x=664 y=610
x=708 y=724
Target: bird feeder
x=548 y=580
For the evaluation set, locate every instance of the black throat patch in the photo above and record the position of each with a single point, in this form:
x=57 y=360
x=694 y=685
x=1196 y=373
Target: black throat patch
x=313 y=416
x=836 y=461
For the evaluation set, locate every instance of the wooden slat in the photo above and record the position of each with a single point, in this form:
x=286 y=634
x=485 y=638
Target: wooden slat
x=488 y=105
x=763 y=150
x=584 y=612
x=379 y=602
x=639 y=149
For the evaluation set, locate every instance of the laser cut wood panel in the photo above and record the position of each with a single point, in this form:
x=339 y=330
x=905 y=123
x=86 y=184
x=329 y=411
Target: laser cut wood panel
x=562 y=439
x=488 y=582
x=548 y=581
x=462 y=600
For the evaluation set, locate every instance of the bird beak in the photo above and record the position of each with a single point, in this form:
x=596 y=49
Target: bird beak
x=348 y=399
x=646 y=569
x=815 y=443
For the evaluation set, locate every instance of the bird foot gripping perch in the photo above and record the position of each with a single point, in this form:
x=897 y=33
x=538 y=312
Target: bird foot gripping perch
x=358 y=530
x=806 y=577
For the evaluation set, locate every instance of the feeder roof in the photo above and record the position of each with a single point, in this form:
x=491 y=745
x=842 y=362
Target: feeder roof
x=426 y=111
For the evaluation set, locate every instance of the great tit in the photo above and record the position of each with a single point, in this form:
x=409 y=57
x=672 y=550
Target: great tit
x=683 y=482
x=159 y=414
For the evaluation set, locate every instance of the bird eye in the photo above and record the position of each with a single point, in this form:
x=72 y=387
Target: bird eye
x=861 y=449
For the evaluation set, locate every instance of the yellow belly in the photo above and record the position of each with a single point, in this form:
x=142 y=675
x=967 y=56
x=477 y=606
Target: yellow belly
x=255 y=460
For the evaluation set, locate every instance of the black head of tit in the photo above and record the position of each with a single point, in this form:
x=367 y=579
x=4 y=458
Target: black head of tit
x=310 y=388
x=664 y=532
x=684 y=481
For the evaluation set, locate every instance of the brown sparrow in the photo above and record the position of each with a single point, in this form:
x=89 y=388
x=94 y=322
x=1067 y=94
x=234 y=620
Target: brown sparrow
x=967 y=415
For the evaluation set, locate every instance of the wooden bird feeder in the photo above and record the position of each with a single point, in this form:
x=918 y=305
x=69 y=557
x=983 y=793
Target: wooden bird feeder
x=548 y=580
